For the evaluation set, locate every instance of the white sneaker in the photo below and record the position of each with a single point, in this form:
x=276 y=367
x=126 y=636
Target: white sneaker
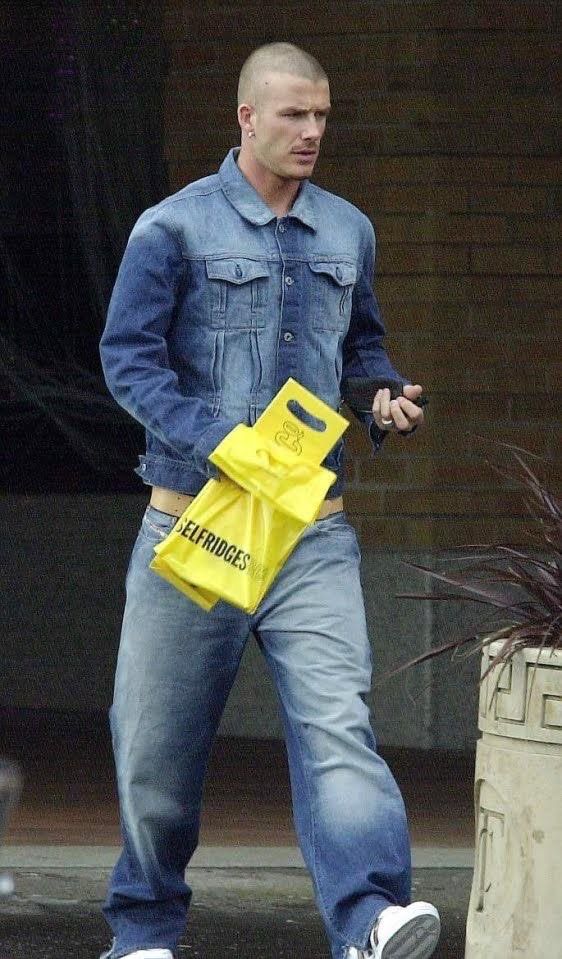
x=143 y=954
x=406 y=932
x=7 y=887
x=150 y=954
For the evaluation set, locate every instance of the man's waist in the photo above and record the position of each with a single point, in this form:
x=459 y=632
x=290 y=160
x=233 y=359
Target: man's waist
x=169 y=501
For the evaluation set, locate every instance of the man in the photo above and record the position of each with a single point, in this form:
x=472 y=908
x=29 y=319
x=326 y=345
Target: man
x=226 y=289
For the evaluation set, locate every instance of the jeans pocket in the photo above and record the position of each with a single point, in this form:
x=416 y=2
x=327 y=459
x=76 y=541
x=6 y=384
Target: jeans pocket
x=156 y=525
x=337 y=527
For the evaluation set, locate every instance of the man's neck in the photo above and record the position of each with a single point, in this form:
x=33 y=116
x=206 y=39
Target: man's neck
x=278 y=193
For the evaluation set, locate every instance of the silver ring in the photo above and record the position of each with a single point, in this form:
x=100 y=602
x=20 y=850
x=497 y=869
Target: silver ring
x=387 y=422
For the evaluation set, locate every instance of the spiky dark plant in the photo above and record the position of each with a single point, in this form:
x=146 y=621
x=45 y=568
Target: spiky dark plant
x=521 y=586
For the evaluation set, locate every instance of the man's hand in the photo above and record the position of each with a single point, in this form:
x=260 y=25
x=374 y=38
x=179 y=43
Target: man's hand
x=401 y=414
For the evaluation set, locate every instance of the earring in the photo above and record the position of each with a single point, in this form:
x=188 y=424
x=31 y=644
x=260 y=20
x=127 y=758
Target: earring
x=251 y=133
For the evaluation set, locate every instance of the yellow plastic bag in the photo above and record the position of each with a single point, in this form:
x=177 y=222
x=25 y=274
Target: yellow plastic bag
x=269 y=472
x=228 y=544
x=279 y=458
x=234 y=537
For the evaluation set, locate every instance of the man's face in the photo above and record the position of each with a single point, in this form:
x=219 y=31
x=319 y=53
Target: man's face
x=289 y=119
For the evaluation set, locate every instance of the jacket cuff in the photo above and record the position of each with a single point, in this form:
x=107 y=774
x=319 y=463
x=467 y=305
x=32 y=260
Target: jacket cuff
x=209 y=439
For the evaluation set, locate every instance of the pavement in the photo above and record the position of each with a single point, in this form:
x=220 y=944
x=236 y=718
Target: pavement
x=248 y=902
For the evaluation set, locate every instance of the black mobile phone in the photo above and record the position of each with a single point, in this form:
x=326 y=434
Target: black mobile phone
x=359 y=391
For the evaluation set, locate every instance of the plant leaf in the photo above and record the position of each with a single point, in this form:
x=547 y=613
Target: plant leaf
x=523 y=588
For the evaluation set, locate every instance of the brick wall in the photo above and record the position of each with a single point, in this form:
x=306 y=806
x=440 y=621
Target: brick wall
x=444 y=131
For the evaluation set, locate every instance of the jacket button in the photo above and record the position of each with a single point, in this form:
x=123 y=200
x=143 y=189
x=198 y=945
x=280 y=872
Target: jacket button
x=289 y=280
x=288 y=337
x=238 y=270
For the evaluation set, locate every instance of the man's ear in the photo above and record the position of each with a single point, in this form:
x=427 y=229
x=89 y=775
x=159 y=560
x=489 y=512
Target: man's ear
x=246 y=118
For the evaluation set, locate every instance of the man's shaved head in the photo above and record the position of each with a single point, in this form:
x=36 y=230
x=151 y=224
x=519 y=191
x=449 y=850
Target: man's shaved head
x=276 y=58
x=283 y=106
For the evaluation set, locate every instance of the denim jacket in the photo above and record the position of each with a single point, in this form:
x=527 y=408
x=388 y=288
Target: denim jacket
x=218 y=301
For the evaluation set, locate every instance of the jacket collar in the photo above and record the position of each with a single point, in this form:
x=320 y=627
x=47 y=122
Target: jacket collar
x=249 y=204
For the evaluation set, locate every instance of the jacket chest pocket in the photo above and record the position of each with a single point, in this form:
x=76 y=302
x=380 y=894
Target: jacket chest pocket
x=239 y=290
x=332 y=286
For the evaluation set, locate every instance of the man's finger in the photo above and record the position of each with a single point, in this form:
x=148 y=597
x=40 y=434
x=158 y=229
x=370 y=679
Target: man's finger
x=412 y=391
x=410 y=409
x=385 y=414
x=399 y=418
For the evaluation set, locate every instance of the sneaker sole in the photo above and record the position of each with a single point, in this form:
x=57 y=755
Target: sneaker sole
x=416 y=939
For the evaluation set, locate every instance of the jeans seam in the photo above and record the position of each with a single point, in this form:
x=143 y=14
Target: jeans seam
x=156 y=529
x=327 y=914
x=329 y=917
x=310 y=806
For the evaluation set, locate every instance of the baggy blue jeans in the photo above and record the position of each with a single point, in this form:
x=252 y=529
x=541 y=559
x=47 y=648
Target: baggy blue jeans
x=176 y=666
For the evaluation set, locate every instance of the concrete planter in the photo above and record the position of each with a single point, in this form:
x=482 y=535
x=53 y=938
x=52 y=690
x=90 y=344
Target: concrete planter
x=515 y=905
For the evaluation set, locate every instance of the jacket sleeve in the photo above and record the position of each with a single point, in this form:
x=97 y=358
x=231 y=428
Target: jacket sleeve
x=134 y=350
x=364 y=354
